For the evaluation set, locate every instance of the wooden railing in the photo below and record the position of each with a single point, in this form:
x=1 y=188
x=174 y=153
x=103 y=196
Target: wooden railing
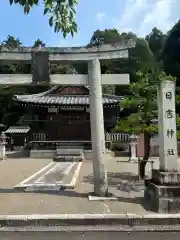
x=109 y=137
x=65 y=120
x=117 y=137
x=53 y=145
x=38 y=137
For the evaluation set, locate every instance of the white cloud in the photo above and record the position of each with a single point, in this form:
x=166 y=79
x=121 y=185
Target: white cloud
x=132 y=9
x=100 y=16
x=141 y=16
x=160 y=17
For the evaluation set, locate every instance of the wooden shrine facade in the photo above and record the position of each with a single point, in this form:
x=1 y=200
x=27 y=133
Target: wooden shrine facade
x=62 y=113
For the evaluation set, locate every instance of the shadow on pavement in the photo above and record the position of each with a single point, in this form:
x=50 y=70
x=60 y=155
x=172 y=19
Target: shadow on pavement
x=126 y=186
x=116 y=179
x=17 y=154
x=62 y=192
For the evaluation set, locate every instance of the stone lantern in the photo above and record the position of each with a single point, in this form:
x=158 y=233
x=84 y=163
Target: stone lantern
x=2 y=146
x=133 y=147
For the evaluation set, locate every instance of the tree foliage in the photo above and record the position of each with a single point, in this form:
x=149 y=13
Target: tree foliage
x=172 y=44
x=171 y=52
x=61 y=13
x=108 y=36
x=11 y=42
x=156 y=40
x=142 y=103
x=142 y=108
x=38 y=43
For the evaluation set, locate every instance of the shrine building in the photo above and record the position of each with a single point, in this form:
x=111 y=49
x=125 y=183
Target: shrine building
x=61 y=114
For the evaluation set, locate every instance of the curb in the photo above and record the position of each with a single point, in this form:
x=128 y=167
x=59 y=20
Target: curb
x=131 y=220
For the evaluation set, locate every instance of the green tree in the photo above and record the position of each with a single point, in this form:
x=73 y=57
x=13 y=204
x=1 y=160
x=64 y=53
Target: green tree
x=11 y=42
x=140 y=57
x=171 y=53
x=38 y=43
x=10 y=113
x=142 y=105
x=156 y=40
x=62 y=69
x=61 y=13
x=107 y=36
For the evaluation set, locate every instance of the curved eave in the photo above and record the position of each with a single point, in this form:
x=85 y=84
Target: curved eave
x=67 y=100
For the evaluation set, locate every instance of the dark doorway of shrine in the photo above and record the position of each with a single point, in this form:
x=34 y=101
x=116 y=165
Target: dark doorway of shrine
x=69 y=127
x=74 y=132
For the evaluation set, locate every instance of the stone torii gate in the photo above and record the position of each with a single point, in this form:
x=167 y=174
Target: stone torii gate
x=40 y=61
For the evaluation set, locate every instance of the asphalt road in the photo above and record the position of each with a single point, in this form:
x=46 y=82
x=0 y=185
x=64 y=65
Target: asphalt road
x=89 y=235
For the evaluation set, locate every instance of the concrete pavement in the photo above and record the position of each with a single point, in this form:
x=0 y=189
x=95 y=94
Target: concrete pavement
x=13 y=171
x=83 y=235
x=53 y=177
x=72 y=206
x=122 y=178
x=123 y=183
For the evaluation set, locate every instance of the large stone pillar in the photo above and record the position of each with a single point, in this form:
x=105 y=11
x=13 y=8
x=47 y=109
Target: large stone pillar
x=40 y=66
x=97 y=128
x=167 y=126
x=162 y=191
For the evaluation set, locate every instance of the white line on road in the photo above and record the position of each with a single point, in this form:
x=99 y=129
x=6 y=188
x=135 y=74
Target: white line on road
x=35 y=174
x=69 y=168
x=40 y=179
x=76 y=175
x=64 y=168
x=39 y=185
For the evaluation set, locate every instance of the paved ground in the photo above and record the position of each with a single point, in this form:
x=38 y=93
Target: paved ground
x=56 y=174
x=122 y=178
x=89 y=235
x=52 y=173
x=13 y=171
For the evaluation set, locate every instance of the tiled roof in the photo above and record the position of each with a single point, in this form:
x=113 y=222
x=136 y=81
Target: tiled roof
x=63 y=100
x=18 y=130
x=48 y=98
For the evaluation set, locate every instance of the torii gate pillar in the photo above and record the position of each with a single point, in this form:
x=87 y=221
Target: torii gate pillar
x=97 y=128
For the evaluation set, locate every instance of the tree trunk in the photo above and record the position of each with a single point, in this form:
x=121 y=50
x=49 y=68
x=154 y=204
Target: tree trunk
x=147 y=139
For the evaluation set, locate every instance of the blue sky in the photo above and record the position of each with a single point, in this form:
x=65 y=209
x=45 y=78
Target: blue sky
x=138 y=16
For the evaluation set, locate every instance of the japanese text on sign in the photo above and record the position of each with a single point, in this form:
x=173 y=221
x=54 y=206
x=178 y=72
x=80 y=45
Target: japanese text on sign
x=169 y=113
x=170 y=132
x=168 y=95
x=170 y=152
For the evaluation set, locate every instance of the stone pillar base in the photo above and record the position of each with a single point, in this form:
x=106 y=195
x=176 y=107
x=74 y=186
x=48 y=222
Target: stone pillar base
x=162 y=192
